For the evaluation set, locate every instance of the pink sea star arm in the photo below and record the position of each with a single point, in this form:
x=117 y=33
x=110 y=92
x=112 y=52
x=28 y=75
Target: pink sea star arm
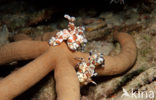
x=24 y=78
x=66 y=81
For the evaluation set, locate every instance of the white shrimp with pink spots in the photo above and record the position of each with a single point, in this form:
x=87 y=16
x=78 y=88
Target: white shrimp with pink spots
x=74 y=36
x=86 y=70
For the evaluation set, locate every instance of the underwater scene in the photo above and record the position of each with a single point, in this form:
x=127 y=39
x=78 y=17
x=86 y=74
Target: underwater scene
x=70 y=50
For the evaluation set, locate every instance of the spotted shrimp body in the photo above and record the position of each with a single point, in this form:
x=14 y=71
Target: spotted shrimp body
x=74 y=36
x=86 y=70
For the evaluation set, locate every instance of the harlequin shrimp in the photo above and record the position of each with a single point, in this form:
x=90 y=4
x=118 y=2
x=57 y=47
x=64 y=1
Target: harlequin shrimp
x=85 y=70
x=74 y=36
